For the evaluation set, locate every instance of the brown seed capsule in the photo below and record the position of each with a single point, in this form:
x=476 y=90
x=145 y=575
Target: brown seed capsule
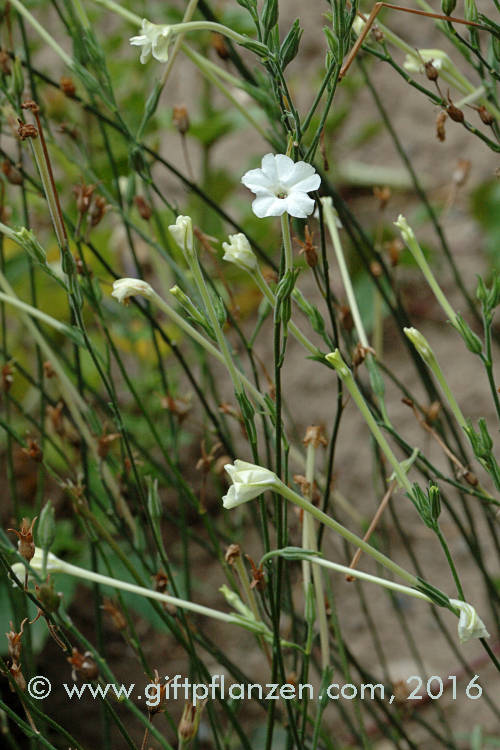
x=145 y=210
x=12 y=174
x=219 y=44
x=25 y=543
x=485 y=116
x=180 y=119
x=430 y=71
x=115 y=613
x=383 y=194
x=376 y=269
x=232 y=552
x=31 y=105
x=14 y=640
x=17 y=676
x=440 y=129
x=25 y=130
x=258 y=577
x=97 y=210
x=67 y=86
x=309 y=249
x=83 y=665
x=315 y=435
x=48 y=370
x=455 y=113
x=104 y=443
x=378 y=34
x=83 y=194
x=5 y=62
x=33 y=451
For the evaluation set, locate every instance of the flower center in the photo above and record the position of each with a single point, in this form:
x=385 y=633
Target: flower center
x=281 y=193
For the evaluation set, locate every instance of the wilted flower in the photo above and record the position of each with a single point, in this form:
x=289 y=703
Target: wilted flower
x=282 y=185
x=182 y=232
x=239 y=252
x=154 y=39
x=470 y=624
x=416 y=63
x=123 y=289
x=248 y=481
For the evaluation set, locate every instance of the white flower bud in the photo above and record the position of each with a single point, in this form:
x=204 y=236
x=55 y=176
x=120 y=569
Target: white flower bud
x=407 y=232
x=470 y=624
x=421 y=345
x=239 y=252
x=248 y=481
x=182 y=232
x=335 y=359
x=123 y=289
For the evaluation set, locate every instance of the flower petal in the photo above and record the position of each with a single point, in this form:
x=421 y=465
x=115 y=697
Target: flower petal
x=304 y=177
x=268 y=166
x=285 y=169
x=268 y=205
x=299 y=204
x=255 y=180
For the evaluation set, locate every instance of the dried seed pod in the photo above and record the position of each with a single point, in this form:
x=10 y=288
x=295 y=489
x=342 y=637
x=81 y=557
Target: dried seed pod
x=440 y=129
x=315 y=435
x=15 y=641
x=25 y=543
x=219 y=44
x=485 y=116
x=83 y=665
x=232 y=552
x=67 y=86
x=431 y=71
x=145 y=210
x=454 y=113
x=180 y=118
x=117 y=616
x=26 y=130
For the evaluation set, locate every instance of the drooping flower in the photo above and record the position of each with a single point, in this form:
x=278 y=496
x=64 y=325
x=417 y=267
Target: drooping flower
x=154 y=39
x=239 y=252
x=182 y=232
x=123 y=289
x=54 y=565
x=470 y=624
x=282 y=185
x=415 y=63
x=248 y=481
x=421 y=344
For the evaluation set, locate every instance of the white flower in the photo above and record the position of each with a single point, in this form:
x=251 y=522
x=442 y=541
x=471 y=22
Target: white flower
x=182 y=232
x=282 y=185
x=239 y=252
x=154 y=39
x=358 y=25
x=249 y=481
x=470 y=624
x=415 y=62
x=54 y=565
x=125 y=288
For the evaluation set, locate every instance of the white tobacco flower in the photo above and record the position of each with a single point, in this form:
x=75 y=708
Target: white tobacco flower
x=182 y=232
x=123 y=289
x=282 y=185
x=248 y=481
x=239 y=252
x=416 y=63
x=154 y=39
x=470 y=624
x=358 y=25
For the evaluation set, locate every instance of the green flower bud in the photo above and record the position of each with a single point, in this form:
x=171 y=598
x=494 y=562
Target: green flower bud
x=46 y=530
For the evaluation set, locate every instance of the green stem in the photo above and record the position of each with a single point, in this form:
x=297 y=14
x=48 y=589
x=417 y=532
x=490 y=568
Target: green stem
x=287 y=242
x=294 y=497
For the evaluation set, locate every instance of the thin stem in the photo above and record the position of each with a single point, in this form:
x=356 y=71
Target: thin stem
x=287 y=242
